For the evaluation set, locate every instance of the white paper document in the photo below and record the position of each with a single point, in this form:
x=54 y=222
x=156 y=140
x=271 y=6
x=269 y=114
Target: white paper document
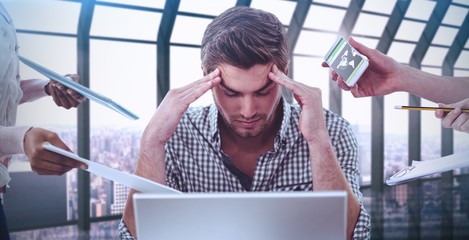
x=423 y=168
x=79 y=88
x=133 y=181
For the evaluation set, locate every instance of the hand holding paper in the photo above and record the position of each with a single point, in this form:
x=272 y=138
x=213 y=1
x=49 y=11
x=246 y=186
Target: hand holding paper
x=133 y=181
x=79 y=88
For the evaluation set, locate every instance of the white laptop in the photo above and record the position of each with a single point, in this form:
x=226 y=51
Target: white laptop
x=241 y=216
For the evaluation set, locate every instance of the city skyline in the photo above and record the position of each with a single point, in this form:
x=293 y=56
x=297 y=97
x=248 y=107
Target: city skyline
x=118 y=149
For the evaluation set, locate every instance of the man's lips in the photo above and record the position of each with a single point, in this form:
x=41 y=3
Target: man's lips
x=248 y=124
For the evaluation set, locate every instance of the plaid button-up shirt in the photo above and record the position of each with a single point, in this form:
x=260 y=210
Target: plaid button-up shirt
x=195 y=162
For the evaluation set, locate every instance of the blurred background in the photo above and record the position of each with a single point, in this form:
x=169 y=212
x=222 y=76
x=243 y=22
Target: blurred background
x=133 y=51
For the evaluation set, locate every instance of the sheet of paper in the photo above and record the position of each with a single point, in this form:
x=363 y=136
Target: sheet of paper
x=419 y=169
x=79 y=88
x=133 y=181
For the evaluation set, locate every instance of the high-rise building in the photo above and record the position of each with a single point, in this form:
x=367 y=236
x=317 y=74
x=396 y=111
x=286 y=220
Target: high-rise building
x=120 y=197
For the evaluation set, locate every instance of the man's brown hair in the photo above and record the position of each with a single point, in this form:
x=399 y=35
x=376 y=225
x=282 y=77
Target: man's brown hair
x=243 y=37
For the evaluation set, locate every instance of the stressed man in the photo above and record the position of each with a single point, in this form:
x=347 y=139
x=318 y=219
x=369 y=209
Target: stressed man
x=251 y=138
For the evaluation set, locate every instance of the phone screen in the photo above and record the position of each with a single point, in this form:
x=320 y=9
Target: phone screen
x=346 y=61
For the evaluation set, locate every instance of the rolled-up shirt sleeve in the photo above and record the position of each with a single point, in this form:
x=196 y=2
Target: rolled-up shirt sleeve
x=124 y=232
x=362 y=228
x=12 y=139
x=346 y=146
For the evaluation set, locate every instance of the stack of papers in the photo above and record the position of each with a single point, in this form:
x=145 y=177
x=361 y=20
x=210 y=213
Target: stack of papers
x=132 y=181
x=419 y=169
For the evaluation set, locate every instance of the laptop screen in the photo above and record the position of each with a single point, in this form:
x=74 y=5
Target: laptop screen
x=241 y=216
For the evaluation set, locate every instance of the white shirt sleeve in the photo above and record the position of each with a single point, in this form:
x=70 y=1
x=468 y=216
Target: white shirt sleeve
x=12 y=139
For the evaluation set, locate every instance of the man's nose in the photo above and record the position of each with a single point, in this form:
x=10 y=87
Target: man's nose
x=248 y=107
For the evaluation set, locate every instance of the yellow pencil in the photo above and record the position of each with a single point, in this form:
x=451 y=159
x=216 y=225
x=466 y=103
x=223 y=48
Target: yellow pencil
x=427 y=108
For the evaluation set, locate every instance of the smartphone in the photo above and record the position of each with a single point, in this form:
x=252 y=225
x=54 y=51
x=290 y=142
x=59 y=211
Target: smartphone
x=346 y=61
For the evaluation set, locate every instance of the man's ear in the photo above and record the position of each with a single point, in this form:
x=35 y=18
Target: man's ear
x=204 y=71
x=286 y=71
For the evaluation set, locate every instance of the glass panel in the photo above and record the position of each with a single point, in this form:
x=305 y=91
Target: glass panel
x=48 y=16
x=410 y=30
x=420 y=10
x=378 y=6
x=463 y=60
x=460 y=141
x=29 y=190
x=431 y=128
x=463 y=2
x=35 y=200
x=181 y=33
x=461 y=73
x=208 y=7
x=445 y=36
x=435 y=56
x=319 y=17
x=115 y=139
x=461 y=138
x=282 y=9
x=122 y=71
x=341 y=3
x=57 y=54
x=186 y=68
x=396 y=125
x=142 y=3
x=369 y=42
x=302 y=69
x=455 y=15
x=431 y=132
x=401 y=52
x=99 y=230
x=460 y=144
x=368 y=24
x=125 y=23
x=314 y=43
x=358 y=112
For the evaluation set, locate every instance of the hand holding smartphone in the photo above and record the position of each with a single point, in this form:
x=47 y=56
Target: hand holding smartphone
x=346 y=61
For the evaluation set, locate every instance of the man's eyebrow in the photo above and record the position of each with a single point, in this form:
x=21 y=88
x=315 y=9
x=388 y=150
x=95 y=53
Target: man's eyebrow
x=270 y=82
x=222 y=83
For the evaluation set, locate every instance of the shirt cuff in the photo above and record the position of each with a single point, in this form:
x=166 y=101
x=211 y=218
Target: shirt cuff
x=124 y=232
x=362 y=228
x=12 y=139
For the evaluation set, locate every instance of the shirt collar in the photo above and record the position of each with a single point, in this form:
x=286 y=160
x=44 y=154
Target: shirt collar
x=286 y=120
x=213 y=124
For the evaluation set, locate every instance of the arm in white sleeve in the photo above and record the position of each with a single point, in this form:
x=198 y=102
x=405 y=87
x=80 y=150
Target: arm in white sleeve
x=33 y=89
x=12 y=139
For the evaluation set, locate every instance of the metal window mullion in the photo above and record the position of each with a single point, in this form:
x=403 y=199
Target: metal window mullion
x=83 y=116
x=414 y=128
x=163 y=48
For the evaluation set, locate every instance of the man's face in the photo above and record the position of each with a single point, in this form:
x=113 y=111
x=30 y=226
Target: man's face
x=247 y=99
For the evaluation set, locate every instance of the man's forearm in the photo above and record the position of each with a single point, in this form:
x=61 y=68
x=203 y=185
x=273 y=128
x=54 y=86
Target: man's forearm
x=151 y=165
x=327 y=175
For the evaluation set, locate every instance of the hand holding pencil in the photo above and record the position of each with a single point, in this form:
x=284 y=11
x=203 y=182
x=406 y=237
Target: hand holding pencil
x=443 y=108
x=457 y=119
x=455 y=115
